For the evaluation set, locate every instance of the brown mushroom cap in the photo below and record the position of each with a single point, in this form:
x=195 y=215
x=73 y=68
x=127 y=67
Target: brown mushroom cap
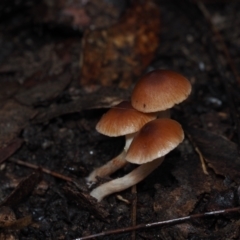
x=122 y=119
x=154 y=140
x=159 y=90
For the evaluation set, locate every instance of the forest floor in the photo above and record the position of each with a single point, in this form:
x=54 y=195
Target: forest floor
x=50 y=104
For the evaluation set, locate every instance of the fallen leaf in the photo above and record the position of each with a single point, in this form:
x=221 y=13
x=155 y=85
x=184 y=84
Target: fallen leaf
x=10 y=149
x=7 y=90
x=92 y=14
x=23 y=189
x=104 y=97
x=47 y=90
x=120 y=54
x=220 y=154
x=85 y=201
x=7 y=216
x=182 y=197
x=13 y=118
x=8 y=219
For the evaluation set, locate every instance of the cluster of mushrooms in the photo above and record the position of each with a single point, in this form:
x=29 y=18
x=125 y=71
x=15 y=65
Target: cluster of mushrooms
x=146 y=124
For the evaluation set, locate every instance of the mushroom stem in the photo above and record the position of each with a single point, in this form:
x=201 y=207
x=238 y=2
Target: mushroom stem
x=108 y=168
x=129 y=138
x=120 y=184
x=112 y=165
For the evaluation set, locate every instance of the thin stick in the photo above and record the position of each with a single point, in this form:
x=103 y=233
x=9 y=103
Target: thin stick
x=202 y=159
x=45 y=170
x=161 y=223
x=134 y=210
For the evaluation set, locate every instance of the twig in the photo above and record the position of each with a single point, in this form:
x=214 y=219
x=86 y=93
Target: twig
x=47 y=171
x=161 y=223
x=202 y=159
x=134 y=210
x=204 y=168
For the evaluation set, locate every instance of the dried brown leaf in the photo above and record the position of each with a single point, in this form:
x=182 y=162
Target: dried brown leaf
x=10 y=149
x=120 y=54
x=85 y=201
x=181 y=199
x=8 y=219
x=220 y=154
x=47 y=90
x=23 y=189
x=80 y=14
x=13 y=118
x=105 y=97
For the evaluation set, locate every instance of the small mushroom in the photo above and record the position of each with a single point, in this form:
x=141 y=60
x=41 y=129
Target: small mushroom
x=159 y=90
x=120 y=120
x=148 y=148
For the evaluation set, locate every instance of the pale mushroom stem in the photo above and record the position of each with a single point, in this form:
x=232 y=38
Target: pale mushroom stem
x=108 y=168
x=112 y=165
x=120 y=184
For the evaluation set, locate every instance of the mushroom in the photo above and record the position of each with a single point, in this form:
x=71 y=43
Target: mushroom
x=148 y=148
x=159 y=90
x=120 y=120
